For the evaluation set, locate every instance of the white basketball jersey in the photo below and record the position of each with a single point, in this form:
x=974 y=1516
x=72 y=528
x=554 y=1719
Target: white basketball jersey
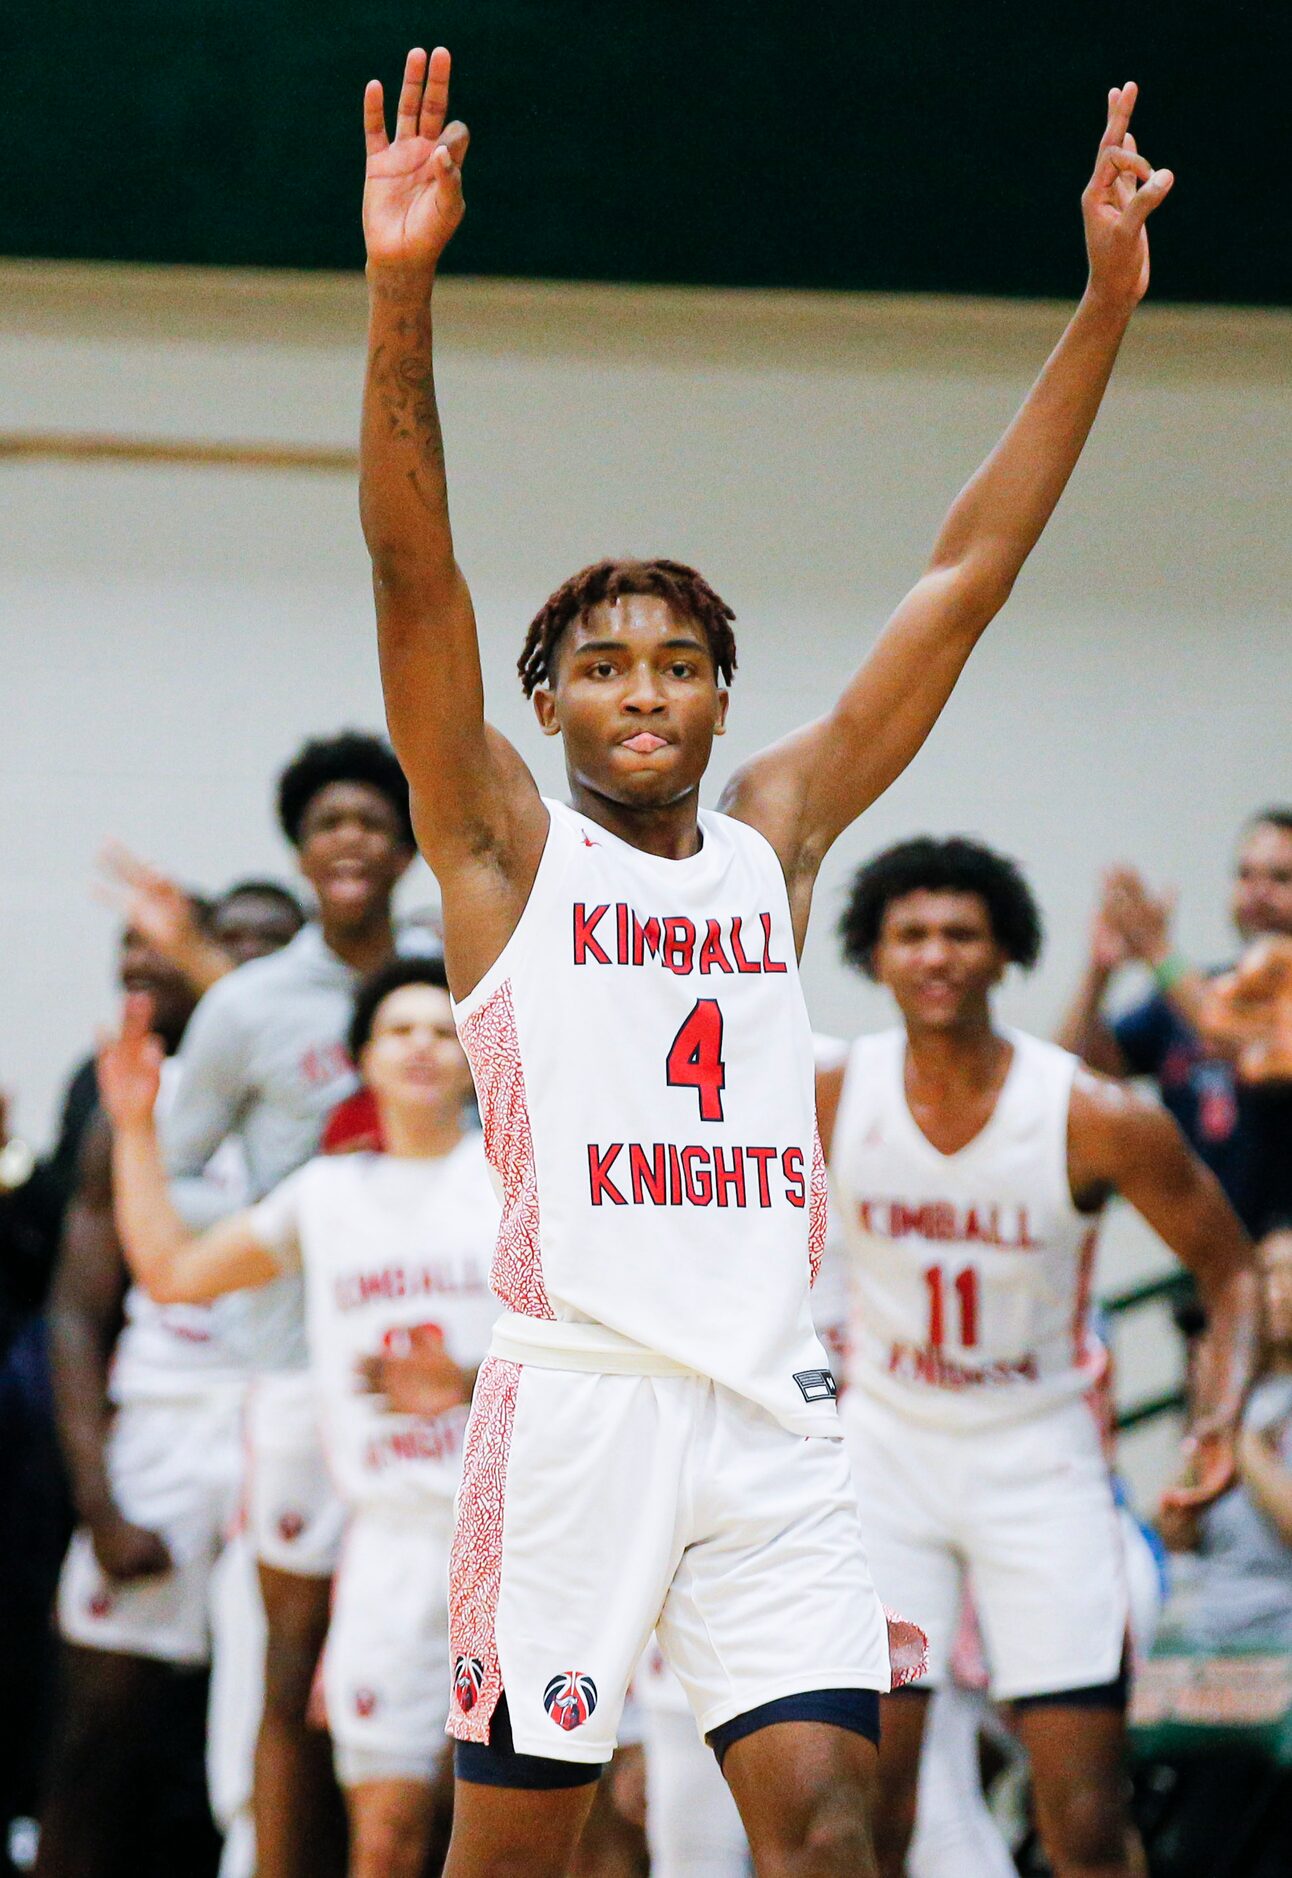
x=386 y=1244
x=177 y=1350
x=970 y=1272
x=643 y=1060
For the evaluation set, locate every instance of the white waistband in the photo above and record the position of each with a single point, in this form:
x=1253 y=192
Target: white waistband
x=550 y=1344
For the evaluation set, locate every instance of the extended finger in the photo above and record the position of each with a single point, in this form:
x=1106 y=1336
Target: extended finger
x=1126 y=182
x=409 y=107
x=435 y=99
x=374 y=118
x=1121 y=102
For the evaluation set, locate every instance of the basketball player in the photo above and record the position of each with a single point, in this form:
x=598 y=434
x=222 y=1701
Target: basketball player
x=150 y=1424
x=392 y=1246
x=264 y=1060
x=653 y=1441
x=971 y=1166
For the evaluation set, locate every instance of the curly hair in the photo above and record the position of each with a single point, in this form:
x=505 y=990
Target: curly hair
x=420 y=968
x=352 y=756
x=687 y=593
x=955 y=864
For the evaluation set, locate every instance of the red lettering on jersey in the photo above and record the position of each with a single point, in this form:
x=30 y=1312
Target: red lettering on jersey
x=769 y=963
x=674 y=1175
x=585 y=942
x=738 y=951
x=599 y=1164
x=712 y=955
x=734 y=1180
x=792 y=1169
x=699 y=1184
x=648 y=1175
x=645 y=939
x=1025 y=1242
x=761 y=1157
x=621 y=933
x=679 y=946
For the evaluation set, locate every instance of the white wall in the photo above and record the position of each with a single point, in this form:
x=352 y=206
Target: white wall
x=168 y=635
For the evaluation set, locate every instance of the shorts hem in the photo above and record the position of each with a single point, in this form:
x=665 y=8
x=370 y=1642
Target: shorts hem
x=146 y=1649
x=811 y=1682
x=1054 y=1688
x=356 y=1766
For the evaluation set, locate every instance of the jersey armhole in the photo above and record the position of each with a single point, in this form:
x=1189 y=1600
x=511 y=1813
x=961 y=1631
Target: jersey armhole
x=556 y=850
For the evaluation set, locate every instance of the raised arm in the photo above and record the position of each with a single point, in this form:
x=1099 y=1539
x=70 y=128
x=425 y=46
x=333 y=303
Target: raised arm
x=806 y=790
x=84 y=1320
x=1121 y=1142
x=475 y=806
x=174 y=1265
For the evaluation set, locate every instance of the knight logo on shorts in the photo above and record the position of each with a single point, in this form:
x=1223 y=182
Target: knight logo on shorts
x=365 y=1701
x=468 y=1680
x=290 y=1527
x=570 y=1698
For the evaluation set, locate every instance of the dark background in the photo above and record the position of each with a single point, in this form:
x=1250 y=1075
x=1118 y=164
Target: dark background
x=926 y=145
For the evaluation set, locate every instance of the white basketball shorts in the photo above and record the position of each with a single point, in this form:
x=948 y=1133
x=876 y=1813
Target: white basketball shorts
x=386 y=1665
x=294 y=1514
x=175 y=1467
x=595 y=1508
x=1026 y=1510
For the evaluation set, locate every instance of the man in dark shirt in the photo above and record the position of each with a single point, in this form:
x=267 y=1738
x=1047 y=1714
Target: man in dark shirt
x=1243 y=1131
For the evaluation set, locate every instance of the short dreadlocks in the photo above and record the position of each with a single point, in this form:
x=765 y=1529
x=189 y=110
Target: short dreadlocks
x=688 y=593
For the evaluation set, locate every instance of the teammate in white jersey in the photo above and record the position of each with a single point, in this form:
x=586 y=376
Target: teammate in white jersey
x=392 y=1245
x=265 y=1061
x=654 y=1444
x=971 y=1166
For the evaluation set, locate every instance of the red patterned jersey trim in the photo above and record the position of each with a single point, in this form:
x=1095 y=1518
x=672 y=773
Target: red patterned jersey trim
x=493 y=1050
x=819 y=1202
x=475 y=1563
x=908 y=1650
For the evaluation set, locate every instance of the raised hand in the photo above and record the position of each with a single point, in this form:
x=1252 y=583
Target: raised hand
x=148 y=901
x=1118 y=200
x=1142 y=918
x=129 y=1066
x=412 y=195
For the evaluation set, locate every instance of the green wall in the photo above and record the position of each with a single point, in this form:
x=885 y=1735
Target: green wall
x=925 y=145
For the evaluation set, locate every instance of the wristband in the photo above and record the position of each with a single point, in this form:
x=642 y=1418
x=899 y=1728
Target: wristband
x=1168 y=972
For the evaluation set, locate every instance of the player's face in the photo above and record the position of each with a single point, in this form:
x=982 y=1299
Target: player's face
x=413 y=1059
x=938 y=956
x=1262 y=896
x=637 y=701
x=252 y=925
x=141 y=968
x=352 y=852
x=1276 y=1271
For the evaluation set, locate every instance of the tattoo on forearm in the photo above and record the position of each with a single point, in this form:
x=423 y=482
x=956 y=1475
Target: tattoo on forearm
x=403 y=383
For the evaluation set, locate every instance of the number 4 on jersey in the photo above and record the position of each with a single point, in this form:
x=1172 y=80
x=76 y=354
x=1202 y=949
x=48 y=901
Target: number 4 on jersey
x=695 y=1058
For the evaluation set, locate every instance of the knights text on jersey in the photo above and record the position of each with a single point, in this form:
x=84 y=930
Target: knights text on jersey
x=969 y=1273
x=643 y=1060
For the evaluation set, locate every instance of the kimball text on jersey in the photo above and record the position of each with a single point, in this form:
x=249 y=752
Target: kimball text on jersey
x=615 y=935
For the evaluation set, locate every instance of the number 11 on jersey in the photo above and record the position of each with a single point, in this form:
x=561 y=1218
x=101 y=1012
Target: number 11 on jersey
x=965 y=1286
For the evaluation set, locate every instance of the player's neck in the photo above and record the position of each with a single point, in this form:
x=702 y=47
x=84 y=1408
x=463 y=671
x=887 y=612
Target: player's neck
x=670 y=830
x=363 y=945
x=419 y=1134
x=968 y=1056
